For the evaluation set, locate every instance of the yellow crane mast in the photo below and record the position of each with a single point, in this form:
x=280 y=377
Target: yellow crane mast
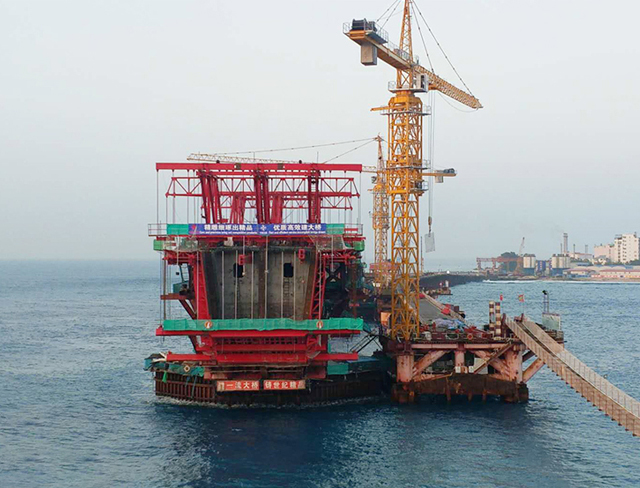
x=380 y=220
x=405 y=168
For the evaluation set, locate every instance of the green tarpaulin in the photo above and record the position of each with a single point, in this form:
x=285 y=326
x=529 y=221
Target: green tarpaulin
x=263 y=324
x=178 y=229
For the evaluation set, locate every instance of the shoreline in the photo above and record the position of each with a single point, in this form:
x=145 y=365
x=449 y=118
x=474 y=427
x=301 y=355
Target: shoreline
x=552 y=280
x=462 y=277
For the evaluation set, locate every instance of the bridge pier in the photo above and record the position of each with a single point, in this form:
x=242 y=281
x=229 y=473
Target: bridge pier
x=467 y=385
x=520 y=395
x=402 y=392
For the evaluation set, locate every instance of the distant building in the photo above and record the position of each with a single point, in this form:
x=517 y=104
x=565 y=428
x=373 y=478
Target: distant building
x=604 y=253
x=529 y=264
x=614 y=272
x=581 y=256
x=604 y=272
x=626 y=248
x=581 y=272
x=560 y=261
x=541 y=268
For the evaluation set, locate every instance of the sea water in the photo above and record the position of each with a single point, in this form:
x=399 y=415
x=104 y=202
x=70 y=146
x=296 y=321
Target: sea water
x=76 y=408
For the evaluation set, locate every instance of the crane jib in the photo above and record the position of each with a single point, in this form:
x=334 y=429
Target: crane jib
x=374 y=46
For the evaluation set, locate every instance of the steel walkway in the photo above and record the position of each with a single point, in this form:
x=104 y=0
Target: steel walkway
x=609 y=399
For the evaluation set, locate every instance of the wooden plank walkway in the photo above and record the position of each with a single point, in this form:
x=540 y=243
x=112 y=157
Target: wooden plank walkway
x=601 y=393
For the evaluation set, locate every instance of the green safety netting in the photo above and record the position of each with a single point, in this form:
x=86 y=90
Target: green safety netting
x=179 y=368
x=263 y=324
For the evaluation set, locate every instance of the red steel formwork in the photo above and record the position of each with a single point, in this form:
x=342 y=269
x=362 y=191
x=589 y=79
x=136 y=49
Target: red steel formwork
x=236 y=193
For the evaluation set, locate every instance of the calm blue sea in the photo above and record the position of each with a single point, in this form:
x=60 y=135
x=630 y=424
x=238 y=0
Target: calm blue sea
x=76 y=408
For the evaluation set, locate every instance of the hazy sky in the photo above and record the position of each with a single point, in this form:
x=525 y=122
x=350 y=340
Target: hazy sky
x=93 y=93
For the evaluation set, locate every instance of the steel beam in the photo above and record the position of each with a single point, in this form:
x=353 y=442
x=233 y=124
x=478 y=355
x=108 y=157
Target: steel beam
x=292 y=167
x=533 y=368
x=426 y=361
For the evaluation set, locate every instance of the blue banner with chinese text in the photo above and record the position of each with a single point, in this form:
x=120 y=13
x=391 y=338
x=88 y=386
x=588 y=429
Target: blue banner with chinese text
x=256 y=229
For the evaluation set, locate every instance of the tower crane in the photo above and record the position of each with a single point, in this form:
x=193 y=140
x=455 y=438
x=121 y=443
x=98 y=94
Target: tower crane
x=380 y=218
x=520 y=261
x=405 y=169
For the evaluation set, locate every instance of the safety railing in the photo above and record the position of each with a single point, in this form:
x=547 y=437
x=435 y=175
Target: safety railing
x=399 y=52
x=366 y=26
x=157 y=229
x=601 y=384
x=372 y=30
x=353 y=230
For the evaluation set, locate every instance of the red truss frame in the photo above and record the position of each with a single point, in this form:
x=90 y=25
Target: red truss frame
x=229 y=189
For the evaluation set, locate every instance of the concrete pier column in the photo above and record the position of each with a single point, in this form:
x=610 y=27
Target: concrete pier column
x=404 y=367
x=513 y=361
x=459 y=361
x=402 y=391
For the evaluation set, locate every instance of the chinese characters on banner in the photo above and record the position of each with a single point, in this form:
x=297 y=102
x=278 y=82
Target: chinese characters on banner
x=284 y=384
x=252 y=385
x=255 y=229
x=238 y=385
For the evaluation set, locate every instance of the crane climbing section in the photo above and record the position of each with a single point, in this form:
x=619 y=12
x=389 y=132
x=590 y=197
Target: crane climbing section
x=594 y=388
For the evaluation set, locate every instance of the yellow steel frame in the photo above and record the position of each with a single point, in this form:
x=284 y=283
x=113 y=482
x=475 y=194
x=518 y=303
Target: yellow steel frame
x=380 y=222
x=404 y=187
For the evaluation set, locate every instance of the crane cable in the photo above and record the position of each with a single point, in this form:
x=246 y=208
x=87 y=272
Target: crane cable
x=390 y=15
x=431 y=139
x=442 y=50
x=454 y=107
x=350 y=150
x=300 y=147
x=388 y=8
x=424 y=44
